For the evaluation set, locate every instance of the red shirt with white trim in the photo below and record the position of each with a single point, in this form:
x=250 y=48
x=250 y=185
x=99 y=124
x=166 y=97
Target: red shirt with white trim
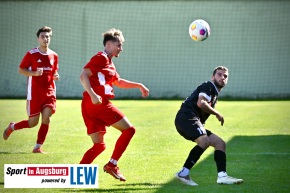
x=104 y=74
x=40 y=84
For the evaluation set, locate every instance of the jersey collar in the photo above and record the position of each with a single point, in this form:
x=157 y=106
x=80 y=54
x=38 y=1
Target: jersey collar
x=47 y=53
x=215 y=87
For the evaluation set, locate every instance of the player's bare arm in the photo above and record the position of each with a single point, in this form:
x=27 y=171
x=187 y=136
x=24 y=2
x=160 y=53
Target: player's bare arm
x=122 y=83
x=55 y=76
x=204 y=106
x=27 y=72
x=84 y=78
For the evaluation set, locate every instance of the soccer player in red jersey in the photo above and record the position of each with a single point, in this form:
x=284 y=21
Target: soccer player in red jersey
x=40 y=65
x=98 y=77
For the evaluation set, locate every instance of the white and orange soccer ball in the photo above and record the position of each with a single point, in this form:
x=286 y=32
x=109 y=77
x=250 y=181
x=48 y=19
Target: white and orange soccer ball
x=199 y=30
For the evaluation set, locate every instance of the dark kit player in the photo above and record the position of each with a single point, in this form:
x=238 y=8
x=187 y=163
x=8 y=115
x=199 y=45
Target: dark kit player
x=190 y=120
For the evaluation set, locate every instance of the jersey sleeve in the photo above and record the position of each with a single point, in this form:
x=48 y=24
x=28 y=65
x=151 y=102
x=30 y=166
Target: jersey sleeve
x=96 y=63
x=26 y=61
x=56 y=63
x=205 y=91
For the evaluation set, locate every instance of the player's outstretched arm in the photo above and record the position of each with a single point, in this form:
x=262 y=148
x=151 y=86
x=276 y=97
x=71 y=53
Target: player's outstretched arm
x=123 y=83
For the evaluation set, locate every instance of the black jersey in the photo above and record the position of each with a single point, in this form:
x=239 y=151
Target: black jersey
x=207 y=89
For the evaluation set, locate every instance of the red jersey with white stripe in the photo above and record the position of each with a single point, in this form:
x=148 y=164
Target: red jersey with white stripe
x=40 y=84
x=104 y=74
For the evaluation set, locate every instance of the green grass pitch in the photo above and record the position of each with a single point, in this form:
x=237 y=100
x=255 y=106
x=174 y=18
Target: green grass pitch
x=257 y=135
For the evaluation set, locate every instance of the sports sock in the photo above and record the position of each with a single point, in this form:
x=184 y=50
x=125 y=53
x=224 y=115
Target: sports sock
x=12 y=126
x=184 y=172
x=42 y=132
x=220 y=159
x=37 y=146
x=114 y=162
x=92 y=153
x=222 y=174
x=21 y=125
x=122 y=142
x=193 y=157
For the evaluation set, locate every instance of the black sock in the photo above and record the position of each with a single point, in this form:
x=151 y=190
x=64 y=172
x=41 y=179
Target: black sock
x=220 y=159
x=193 y=156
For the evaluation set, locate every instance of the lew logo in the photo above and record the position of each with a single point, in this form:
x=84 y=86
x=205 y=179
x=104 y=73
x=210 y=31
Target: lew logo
x=50 y=176
x=83 y=175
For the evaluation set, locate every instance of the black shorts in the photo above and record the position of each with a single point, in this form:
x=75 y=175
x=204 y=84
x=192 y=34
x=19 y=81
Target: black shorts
x=189 y=126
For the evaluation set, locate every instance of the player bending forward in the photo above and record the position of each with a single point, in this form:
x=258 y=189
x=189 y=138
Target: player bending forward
x=98 y=77
x=190 y=121
x=40 y=65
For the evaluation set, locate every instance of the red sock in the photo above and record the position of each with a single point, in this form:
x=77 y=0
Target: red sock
x=122 y=142
x=42 y=132
x=92 y=153
x=21 y=125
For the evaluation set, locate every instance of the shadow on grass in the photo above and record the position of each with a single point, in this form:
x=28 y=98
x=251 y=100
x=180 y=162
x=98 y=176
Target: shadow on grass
x=123 y=188
x=256 y=159
x=261 y=161
x=260 y=156
x=107 y=190
x=4 y=152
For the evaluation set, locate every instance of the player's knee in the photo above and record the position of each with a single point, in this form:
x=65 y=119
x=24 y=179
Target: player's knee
x=205 y=145
x=221 y=145
x=203 y=141
x=45 y=120
x=130 y=131
x=32 y=123
x=99 y=147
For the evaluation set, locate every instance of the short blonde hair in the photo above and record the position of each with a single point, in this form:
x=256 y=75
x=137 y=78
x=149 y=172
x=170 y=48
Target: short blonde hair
x=113 y=35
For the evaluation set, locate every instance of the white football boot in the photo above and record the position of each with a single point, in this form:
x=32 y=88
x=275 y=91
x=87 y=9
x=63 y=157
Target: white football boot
x=185 y=180
x=228 y=180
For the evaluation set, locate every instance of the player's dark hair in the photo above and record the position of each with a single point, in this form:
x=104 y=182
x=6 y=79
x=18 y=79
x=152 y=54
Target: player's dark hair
x=43 y=29
x=219 y=68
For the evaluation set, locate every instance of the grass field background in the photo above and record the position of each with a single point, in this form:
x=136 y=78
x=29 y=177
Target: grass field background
x=257 y=134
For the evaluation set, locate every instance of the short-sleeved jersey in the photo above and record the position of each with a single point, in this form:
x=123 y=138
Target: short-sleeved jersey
x=104 y=74
x=49 y=62
x=206 y=89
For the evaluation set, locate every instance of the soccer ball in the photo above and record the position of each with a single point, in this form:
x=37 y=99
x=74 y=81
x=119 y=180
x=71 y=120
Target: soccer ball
x=199 y=30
